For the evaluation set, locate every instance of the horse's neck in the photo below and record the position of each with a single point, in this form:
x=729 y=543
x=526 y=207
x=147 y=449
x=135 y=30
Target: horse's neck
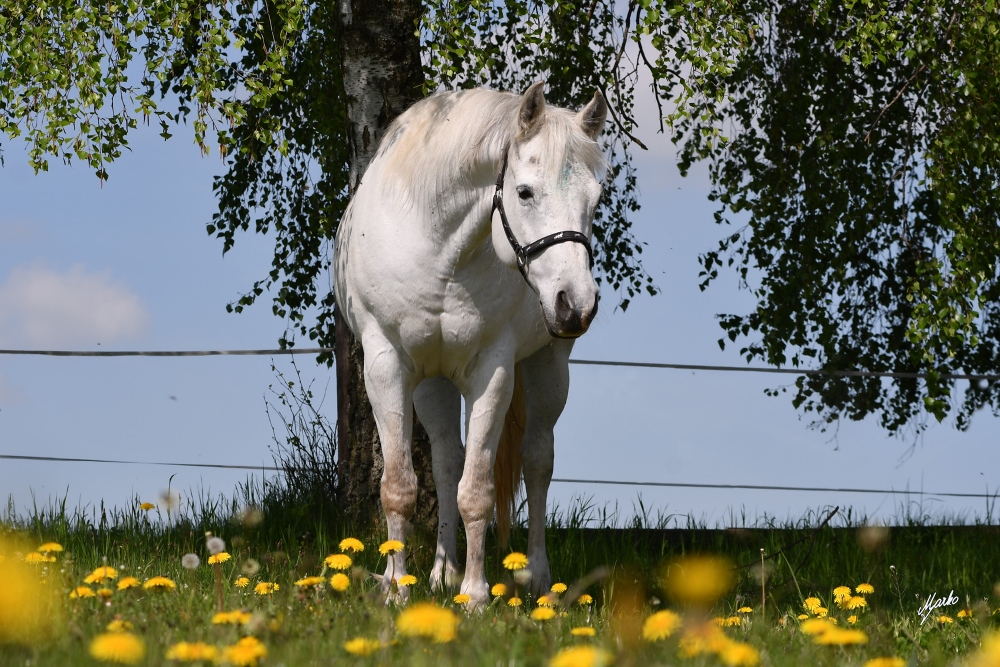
x=463 y=211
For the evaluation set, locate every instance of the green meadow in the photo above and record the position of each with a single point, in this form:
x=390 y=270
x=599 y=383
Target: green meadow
x=771 y=596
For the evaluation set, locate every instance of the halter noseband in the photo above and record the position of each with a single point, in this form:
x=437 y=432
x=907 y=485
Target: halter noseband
x=525 y=253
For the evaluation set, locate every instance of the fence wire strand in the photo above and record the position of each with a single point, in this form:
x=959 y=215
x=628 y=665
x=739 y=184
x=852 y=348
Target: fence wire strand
x=581 y=362
x=682 y=485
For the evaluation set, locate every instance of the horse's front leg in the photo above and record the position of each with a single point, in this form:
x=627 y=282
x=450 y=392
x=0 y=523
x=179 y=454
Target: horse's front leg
x=390 y=389
x=546 y=386
x=439 y=407
x=487 y=399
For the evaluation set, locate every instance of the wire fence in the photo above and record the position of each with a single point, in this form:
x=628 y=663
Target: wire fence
x=682 y=485
x=582 y=362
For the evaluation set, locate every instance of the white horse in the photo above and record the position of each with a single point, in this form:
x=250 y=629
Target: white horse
x=449 y=299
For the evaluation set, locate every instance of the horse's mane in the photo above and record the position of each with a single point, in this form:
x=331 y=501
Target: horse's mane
x=447 y=137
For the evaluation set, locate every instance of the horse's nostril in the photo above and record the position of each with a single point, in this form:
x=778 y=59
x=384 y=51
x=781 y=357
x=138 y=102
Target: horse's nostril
x=564 y=309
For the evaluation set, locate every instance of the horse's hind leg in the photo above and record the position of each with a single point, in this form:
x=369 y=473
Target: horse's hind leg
x=546 y=386
x=439 y=407
x=390 y=388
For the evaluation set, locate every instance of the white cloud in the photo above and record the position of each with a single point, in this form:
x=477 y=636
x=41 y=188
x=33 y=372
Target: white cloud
x=41 y=307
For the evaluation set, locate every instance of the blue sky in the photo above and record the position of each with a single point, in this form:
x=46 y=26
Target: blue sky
x=128 y=265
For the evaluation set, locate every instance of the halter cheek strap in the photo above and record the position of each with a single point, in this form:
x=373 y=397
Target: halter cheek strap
x=525 y=253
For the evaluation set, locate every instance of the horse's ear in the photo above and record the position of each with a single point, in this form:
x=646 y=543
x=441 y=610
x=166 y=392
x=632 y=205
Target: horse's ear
x=591 y=117
x=529 y=114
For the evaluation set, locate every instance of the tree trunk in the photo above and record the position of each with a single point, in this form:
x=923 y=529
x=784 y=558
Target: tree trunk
x=382 y=77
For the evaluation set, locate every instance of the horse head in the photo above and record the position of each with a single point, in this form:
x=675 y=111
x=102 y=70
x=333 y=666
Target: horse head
x=549 y=181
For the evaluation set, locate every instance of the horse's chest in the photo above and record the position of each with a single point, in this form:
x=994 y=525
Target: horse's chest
x=455 y=326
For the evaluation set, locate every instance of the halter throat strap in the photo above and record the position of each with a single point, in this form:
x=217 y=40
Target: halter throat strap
x=525 y=253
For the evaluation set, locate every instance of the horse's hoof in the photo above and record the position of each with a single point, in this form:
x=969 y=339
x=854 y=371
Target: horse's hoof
x=479 y=597
x=541 y=580
x=445 y=579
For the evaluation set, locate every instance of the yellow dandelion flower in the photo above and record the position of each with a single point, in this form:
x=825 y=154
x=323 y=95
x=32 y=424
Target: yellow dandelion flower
x=340 y=582
x=159 y=584
x=338 y=562
x=803 y=617
x=885 y=662
x=701 y=639
x=745 y=610
x=815 y=626
x=266 y=588
x=738 y=654
x=220 y=557
x=543 y=614
x=499 y=590
x=944 y=619
x=122 y=647
x=362 y=647
x=104 y=593
x=811 y=603
x=698 y=580
x=581 y=656
x=583 y=631
x=965 y=613
x=852 y=619
x=82 y=592
x=990 y=652
x=841 y=592
x=128 y=582
x=731 y=621
x=35 y=558
x=660 y=625
x=306 y=582
x=242 y=582
x=857 y=602
x=546 y=601
x=515 y=561
x=101 y=574
x=406 y=580
x=821 y=612
x=119 y=625
x=841 y=637
x=235 y=617
x=50 y=547
x=864 y=589
x=461 y=598
x=351 y=544
x=428 y=620
x=193 y=652
x=390 y=547
x=247 y=652
x=584 y=600
x=145 y=507
x=514 y=602
x=559 y=588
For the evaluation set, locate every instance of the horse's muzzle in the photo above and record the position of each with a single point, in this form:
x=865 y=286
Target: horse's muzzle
x=571 y=321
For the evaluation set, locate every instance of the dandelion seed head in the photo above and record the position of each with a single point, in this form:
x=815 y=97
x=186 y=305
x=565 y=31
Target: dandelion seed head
x=215 y=545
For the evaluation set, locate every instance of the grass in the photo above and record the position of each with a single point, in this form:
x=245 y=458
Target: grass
x=288 y=536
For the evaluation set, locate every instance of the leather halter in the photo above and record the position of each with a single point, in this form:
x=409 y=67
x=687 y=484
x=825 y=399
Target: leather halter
x=525 y=253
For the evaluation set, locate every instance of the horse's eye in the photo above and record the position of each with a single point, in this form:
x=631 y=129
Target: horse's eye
x=525 y=193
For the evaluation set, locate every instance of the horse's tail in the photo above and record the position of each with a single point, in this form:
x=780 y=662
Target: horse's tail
x=507 y=469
